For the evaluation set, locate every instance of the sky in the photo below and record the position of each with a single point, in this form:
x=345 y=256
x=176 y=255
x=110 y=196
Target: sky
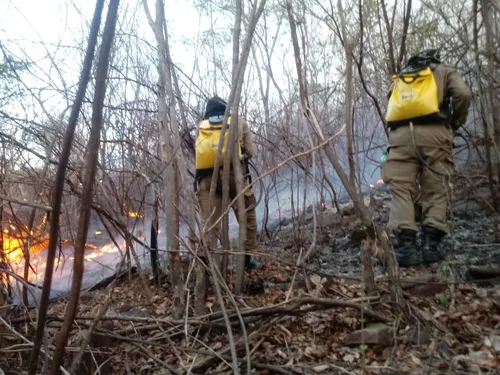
x=54 y=20
x=27 y=22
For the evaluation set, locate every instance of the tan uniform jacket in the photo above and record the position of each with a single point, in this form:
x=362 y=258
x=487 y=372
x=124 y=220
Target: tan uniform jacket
x=448 y=82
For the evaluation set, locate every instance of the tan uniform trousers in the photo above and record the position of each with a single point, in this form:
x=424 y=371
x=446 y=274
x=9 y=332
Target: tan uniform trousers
x=405 y=168
x=210 y=213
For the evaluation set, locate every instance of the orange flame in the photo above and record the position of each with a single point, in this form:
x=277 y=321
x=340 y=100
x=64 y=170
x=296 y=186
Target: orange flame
x=135 y=214
x=380 y=182
x=13 y=247
x=111 y=248
x=372 y=186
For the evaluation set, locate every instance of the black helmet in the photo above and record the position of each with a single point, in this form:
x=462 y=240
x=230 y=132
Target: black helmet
x=425 y=58
x=431 y=54
x=215 y=107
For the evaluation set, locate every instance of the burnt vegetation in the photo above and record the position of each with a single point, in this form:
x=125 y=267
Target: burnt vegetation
x=101 y=242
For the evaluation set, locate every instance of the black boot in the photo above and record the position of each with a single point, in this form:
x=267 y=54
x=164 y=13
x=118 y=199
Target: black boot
x=430 y=243
x=407 y=252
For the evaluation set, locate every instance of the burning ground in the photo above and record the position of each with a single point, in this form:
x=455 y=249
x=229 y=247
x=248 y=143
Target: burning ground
x=314 y=319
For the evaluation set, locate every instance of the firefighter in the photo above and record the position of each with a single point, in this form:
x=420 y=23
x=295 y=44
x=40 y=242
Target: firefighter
x=428 y=103
x=206 y=149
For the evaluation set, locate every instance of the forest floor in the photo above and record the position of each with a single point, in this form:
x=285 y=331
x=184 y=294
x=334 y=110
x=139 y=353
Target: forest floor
x=316 y=319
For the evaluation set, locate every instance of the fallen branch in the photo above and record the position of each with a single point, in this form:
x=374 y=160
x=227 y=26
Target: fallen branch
x=288 y=307
x=482 y=273
x=293 y=306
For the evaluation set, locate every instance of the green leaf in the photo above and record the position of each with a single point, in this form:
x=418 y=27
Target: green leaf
x=443 y=267
x=443 y=299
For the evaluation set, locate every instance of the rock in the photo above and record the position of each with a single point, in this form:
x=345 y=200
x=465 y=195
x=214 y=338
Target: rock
x=374 y=334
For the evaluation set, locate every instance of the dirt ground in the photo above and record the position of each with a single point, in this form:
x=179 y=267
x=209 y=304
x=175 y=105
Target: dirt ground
x=315 y=319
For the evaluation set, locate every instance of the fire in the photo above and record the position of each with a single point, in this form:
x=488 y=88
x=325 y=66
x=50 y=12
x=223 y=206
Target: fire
x=107 y=249
x=13 y=247
x=379 y=182
x=135 y=214
x=97 y=232
x=44 y=220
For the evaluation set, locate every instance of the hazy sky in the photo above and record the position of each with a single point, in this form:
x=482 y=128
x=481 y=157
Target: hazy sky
x=64 y=21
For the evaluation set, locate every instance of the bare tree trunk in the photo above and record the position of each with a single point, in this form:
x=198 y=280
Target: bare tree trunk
x=366 y=258
x=349 y=111
x=233 y=131
x=406 y=25
x=181 y=161
x=231 y=150
x=359 y=64
x=31 y=221
x=484 y=112
x=236 y=38
x=154 y=241
x=171 y=143
x=492 y=90
x=242 y=224
x=59 y=186
x=348 y=49
x=173 y=247
x=393 y=269
x=87 y=193
x=391 y=62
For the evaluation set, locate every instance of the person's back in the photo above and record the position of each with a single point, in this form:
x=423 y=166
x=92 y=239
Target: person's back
x=420 y=150
x=206 y=149
x=208 y=132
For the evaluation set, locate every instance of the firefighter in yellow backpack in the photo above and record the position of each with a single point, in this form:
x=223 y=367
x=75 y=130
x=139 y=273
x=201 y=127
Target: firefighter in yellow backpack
x=428 y=103
x=206 y=146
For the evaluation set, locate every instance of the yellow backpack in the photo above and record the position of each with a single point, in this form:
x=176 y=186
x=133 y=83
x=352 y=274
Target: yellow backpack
x=207 y=144
x=414 y=98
